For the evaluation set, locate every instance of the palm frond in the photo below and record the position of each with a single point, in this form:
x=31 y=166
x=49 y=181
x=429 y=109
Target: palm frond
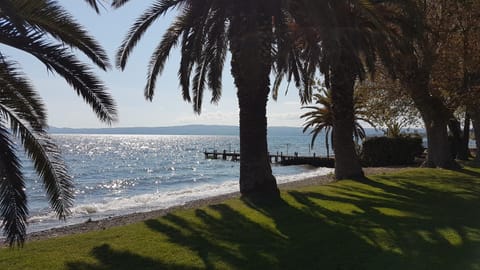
x=161 y=53
x=119 y=3
x=140 y=26
x=57 y=58
x=9 y=11
x=317 y=119
x=281 y=51
x=47 y=162
x=359 y=132
x=201 y=52
x=47 y=17
x=192 y=44
x=93 y=4
x=217 y=41
x=186 y=66
x=209 y=43
x=320 y=118
x=18 y=94
x=199 y=86
x=314 y=134
x=13 y=200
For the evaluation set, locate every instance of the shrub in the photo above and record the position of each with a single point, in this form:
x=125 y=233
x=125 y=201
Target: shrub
x=387 y=151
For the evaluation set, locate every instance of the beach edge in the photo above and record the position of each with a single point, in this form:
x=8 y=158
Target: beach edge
x=122 y=220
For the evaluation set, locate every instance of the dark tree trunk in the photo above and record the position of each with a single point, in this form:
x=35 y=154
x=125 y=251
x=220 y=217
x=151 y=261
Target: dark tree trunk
x=416 y=76
x=327 y=146
x=251 y=66
x=347 y=164
x=439 y=150
x=456 y=135
x=463 y=152
x=475 y=115
x=435 y=116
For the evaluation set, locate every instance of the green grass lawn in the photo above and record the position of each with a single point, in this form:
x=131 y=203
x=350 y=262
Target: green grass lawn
x=415 y=219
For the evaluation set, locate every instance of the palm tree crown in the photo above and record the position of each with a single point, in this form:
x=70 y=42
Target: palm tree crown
x=205 y=30
x=320 y=118
x=343 y=40
x=43 y=29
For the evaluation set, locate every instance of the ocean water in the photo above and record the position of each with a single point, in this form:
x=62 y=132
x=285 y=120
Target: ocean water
x=121 y=174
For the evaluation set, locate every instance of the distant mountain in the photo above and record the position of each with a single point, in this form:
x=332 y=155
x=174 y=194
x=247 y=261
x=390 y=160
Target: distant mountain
x=176 y=130
x=189 y=130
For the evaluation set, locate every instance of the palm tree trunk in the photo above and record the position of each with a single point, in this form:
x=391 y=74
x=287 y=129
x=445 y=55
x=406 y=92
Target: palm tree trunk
x=347 y=164
x=255 y=171
x=251 y=67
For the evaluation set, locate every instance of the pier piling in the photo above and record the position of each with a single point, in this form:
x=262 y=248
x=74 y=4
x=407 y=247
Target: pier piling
x=295 y=159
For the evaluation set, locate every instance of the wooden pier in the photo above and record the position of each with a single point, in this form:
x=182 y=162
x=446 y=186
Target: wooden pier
x=279 y=158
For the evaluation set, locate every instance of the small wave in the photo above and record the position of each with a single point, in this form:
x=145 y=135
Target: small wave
x=86 y=209
x=298 y=177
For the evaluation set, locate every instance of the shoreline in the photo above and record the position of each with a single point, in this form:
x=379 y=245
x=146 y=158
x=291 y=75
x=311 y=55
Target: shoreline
x=121 y=220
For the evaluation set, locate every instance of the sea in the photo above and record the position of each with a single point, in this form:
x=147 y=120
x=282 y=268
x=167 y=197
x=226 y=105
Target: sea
x=122 y=174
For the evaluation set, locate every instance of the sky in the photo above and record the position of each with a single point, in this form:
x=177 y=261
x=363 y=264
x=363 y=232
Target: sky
x=66 y=109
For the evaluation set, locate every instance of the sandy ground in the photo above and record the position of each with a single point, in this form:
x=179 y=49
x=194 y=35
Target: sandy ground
x=94 y=225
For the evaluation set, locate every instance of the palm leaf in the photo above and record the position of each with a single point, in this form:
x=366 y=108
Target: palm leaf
x=57 y=58
x=199 y=85
x=161 y=53
x=194 y=23
x=47 y=162
x=140 y=26
x=45 y=16
x=217 y=40
x=13 y=200
x=18 y=94
x=93 y=4
x=9 y=11
x=320 y=117
x=119 y=3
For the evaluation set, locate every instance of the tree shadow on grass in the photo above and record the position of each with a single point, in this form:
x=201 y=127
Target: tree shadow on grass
x=468 y=172
x=121 y=260
x=472 y=163
x=431 y=227
x=376 y=224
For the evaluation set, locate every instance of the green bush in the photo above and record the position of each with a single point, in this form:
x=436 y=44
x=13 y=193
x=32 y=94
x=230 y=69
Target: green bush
x=387 y=151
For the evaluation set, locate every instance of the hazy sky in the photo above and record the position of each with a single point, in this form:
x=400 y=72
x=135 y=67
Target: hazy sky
x=66 y=109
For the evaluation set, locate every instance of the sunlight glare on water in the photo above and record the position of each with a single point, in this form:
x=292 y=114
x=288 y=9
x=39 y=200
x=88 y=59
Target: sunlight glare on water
x=120 y=174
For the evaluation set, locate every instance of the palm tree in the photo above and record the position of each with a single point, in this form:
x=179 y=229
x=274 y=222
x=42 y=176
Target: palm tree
x=343 y=39
x=204 y=30
x=44 y=30
x=320 y=118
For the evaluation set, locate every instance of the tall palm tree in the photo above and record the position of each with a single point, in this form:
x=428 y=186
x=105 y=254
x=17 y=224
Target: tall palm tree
x=343 y=39
x=320 y=118
x=45 y=30
x=205 y=30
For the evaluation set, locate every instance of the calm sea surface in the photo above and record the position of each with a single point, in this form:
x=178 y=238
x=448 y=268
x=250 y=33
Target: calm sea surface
x=121 y=174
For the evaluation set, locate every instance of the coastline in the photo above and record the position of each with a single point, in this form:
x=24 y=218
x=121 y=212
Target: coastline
x=102 y=224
